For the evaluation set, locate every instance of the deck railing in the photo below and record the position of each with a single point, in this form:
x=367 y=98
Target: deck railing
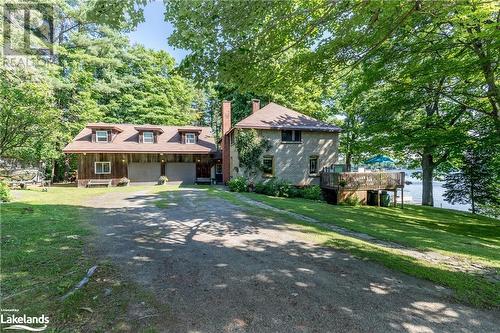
x=362 y=180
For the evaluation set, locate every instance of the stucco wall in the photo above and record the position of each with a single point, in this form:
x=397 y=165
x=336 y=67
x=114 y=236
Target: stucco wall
x=291 y=160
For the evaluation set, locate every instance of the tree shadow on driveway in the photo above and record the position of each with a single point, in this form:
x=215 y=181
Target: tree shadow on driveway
x=218 y=268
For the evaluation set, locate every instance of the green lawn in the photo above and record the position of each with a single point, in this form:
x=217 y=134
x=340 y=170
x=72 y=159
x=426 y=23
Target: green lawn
x=45 y=251
x=427 y=228
x=400 y=226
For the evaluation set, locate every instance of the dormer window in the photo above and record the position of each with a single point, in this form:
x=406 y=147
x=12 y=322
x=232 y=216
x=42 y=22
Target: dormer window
x=148 y=137
x=190 y=138
x=101 y=136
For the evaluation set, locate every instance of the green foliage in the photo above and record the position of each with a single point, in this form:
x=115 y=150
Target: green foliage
x=5 y=195
x=418 y=80
x=282 y=188
x=238 y=184
x=477 y=182
x=352 y=200
x=312 y=192
x=29 y=121
x=250 y=148
x=276 y=188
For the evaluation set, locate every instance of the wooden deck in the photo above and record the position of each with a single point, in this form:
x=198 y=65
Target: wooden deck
x=362 y=181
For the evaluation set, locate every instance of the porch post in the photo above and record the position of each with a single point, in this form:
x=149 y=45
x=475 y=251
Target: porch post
x=395 y=197
x=402 y=205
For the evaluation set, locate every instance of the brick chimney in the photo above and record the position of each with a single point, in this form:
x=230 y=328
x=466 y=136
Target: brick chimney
x=255 y=105
x=226 y=127
x=226 y=117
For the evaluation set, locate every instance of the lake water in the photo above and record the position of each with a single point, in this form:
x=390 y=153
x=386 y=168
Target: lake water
x=415 y=191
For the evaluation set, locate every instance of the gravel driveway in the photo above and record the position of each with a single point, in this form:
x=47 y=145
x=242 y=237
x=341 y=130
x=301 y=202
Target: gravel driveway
x=218 y=269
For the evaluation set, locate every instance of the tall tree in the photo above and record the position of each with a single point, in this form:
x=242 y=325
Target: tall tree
x=476 y=182
x=29 y=119
x=434 y=62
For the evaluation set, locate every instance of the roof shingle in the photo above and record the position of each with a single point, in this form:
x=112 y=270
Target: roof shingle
x=127 y=141
x=275 y=116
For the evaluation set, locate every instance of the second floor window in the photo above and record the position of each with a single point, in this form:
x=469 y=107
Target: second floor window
x=190 y=138
x=148 y=137
x=101 y=136
x=291 y=136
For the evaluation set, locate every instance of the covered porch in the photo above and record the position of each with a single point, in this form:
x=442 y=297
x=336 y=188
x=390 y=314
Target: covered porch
x=183 y=169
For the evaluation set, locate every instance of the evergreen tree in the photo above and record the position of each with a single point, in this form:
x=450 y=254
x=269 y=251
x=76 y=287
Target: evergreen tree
x=476 y=182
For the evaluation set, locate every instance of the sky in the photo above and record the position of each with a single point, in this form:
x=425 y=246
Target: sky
x=154 y=31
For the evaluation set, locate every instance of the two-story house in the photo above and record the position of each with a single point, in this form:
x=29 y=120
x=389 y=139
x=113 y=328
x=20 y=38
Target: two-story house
x=184 y=154
x=300 y=147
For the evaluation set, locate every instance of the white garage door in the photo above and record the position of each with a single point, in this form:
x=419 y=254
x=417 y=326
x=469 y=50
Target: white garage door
x=144 y=172
x=184 y=173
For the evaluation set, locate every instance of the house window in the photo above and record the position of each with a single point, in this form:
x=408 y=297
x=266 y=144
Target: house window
x=291 y=136
x=148 y=137
x=101 y=136
x=190 y=138
x=313 y=165
x=268 y=166
x=102 y=168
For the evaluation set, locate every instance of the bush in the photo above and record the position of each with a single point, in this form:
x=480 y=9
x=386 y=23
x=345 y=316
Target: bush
x=296 y=193
x=352 y=200
x=312 y=192
x=124 y=181
x=162 y=180
x=238 y=184
x=276 y=188
x=4 y=192
x=260 y=188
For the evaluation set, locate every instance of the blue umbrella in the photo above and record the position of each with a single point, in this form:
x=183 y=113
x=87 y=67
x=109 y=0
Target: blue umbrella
x=379 y=159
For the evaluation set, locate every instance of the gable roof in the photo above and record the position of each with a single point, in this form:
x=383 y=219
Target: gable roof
x=275 y=116
x=127 y=141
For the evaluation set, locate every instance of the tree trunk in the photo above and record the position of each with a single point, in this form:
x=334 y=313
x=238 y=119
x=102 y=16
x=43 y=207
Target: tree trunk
x=348 y=159
x=52 y=171
x=472 y=199
x=427 y=172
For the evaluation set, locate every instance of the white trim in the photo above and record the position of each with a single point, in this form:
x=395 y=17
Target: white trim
x=192 y=136
x=314 y=157
x=102 y=168
x=152 y=137
x=97 y=136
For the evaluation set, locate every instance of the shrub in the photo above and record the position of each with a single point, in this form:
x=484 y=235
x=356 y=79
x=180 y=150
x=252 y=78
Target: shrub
x=352 y=200
x=283 y=188
x=238 y=184
x=124 y=181
x=275 y=188
x=296 y=193
x=162 y=180
x=4 y=192
x=260 y=188
x=312 y=192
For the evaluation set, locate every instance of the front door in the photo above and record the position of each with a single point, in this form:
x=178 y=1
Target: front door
x=218 y=172
x=202 y=170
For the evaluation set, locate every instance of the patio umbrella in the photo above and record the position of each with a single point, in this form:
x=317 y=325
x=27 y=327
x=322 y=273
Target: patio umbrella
x=379 y=159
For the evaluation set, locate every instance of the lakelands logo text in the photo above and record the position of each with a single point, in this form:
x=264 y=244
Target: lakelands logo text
x=27 y=323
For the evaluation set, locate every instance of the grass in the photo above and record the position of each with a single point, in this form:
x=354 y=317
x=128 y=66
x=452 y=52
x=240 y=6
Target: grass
x=468 y=288
x=447 y=231
x=45 y=252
